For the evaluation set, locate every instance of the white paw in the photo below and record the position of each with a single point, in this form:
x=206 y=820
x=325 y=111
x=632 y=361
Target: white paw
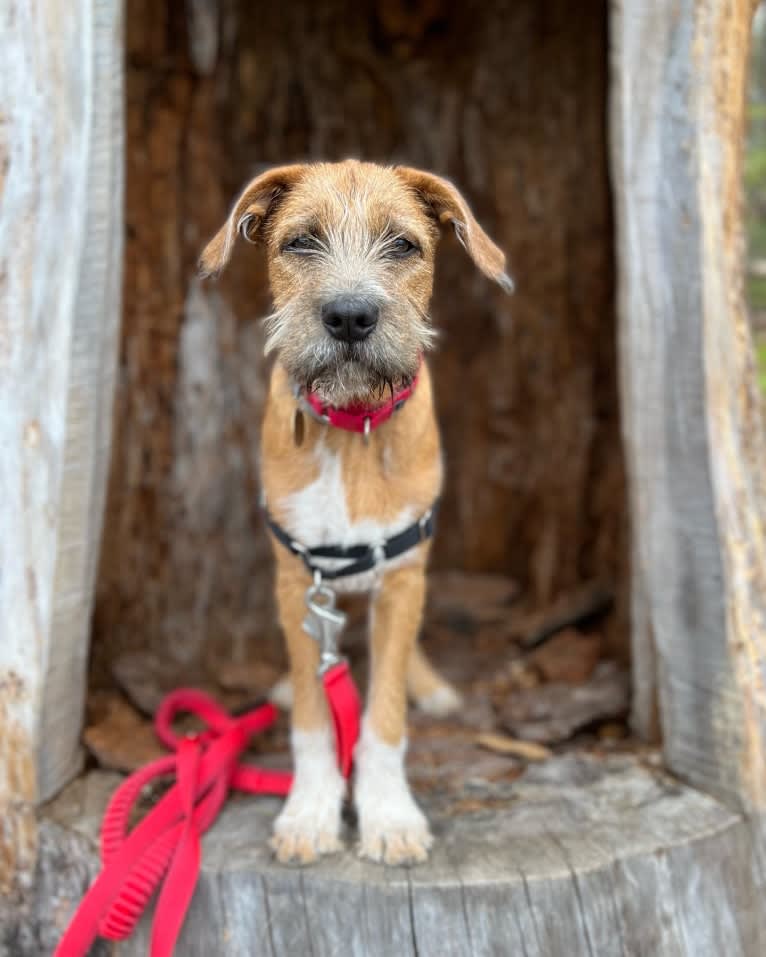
x=303 y=842
x=309 y=824
x=440 y=703
x=281 y=693
x=392 y=828
x=397 y=841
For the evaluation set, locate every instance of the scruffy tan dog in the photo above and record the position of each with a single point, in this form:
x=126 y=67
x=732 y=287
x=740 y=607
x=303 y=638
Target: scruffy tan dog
x=351 y=462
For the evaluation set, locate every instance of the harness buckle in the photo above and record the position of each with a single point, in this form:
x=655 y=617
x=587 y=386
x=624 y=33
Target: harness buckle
x=423 y=524
x=324 y=623
x=378 y=552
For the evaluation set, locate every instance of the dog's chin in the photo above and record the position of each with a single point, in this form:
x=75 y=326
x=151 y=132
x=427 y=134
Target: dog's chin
x=352 y=379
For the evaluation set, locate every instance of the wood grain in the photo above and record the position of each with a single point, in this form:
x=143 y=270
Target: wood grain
x=60 y=276
x=692 y=420
x=584 y=857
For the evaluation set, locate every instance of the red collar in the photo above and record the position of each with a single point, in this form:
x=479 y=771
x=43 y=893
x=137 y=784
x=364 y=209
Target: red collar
x=359 y=418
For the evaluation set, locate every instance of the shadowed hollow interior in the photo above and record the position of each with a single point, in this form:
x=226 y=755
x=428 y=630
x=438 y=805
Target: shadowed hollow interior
x=506 y=98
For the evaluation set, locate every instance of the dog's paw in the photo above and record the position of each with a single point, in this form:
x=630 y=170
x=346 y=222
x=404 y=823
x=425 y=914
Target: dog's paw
x=392 y=828
x=299 y=843
x=400 y=843
x=444 y=701
x=310 y=822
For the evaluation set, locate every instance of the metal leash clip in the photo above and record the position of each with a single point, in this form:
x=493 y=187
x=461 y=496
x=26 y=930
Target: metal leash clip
x=324 y=623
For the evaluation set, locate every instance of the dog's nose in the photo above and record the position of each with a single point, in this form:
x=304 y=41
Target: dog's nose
x=349 y=319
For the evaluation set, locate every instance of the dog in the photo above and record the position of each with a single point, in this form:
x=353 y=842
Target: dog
x=351 y=461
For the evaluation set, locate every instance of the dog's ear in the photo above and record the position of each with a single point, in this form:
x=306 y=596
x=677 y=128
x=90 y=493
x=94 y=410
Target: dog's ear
x=449 y=206
x=247 y=216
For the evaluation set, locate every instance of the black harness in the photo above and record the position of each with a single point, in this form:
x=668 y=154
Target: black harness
x=360 y=558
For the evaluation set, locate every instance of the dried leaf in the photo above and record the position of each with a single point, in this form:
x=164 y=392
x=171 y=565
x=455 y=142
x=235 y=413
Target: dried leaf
x=570 y=656
x=503 y=744
x=120 y=738
x=612 y=731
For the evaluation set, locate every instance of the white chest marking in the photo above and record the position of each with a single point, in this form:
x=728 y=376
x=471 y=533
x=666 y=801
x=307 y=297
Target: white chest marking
x=318 y=515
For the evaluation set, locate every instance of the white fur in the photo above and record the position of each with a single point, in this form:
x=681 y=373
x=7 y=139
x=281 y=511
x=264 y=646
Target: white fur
x=309 y=824
x=392 y=827
x=440 y=703
x=318 y=515
x=281 y=693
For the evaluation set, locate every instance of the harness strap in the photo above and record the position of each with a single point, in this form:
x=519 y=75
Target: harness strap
x=360 y=558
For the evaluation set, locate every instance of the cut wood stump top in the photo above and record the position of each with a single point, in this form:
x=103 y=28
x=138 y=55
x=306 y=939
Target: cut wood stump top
x=580 y=855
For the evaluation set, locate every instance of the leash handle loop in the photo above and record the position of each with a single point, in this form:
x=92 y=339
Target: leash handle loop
x=166 y=843
x=164 y=848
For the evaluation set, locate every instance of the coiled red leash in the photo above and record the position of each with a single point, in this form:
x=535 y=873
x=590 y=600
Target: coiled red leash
x=163 y=850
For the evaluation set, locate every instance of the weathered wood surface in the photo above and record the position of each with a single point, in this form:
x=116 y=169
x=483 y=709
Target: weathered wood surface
x=507 y=98
x=60 y=274
x=692 y=421
x=67 y=862
x=579 y=858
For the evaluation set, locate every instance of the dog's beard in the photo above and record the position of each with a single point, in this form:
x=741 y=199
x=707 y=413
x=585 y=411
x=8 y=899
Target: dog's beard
x=350 y=380
x=342 y=373
x=349 y=376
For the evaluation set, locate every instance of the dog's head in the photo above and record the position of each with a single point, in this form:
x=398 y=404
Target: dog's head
x=350 y=251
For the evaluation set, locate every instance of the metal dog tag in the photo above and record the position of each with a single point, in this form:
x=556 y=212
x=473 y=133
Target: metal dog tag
x=299 y=427
x=325 y=623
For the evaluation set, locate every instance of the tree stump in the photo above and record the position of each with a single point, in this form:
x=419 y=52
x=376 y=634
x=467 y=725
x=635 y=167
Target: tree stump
x=580 y=857
x=61 y=244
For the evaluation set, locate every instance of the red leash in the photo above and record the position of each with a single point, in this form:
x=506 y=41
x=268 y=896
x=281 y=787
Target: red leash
x=163 y=850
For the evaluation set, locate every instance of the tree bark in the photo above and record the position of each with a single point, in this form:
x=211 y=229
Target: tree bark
x=691 y=408
x=60 y=268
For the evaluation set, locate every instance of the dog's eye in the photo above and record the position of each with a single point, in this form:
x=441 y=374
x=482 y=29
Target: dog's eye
x=301 y=244
x=401 y=247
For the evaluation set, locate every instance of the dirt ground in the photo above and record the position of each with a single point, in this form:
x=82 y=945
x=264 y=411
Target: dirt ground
x=533 y=685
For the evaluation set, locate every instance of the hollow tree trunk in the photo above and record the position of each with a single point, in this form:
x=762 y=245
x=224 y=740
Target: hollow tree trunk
x=60 y=260
x=498 y=96
x=692 y=412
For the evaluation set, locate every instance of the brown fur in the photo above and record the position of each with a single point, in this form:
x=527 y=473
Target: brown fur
x=353 y=210
x=353 y=213
x=378 y=478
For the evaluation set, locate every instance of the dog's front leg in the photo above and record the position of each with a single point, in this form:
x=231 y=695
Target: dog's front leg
x=309 y=824
x=392 y=827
